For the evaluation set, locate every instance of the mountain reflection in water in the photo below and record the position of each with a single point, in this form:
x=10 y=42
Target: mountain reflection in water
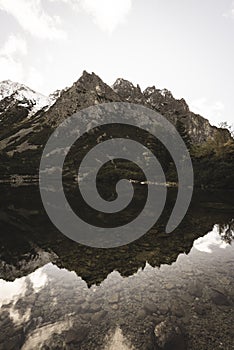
x=163 y=291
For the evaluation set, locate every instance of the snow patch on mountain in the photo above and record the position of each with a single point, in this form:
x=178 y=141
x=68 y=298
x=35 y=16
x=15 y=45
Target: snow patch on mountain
x=54 y=96
x=27 y=97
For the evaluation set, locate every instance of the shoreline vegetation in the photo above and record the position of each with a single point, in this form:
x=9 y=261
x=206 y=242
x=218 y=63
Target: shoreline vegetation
x=213 y=165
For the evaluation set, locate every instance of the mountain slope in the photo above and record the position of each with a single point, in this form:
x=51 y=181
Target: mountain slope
x=198 y=128
x=25 y=129
x=18 y=107
x=15 y=93
x=88 y=91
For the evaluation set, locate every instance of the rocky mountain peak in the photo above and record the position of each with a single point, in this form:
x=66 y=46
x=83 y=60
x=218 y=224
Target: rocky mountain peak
x=88 y=80
x=18 y=103
x=157 y=93
x=8 y=87
x=91 y=84
x=164 y=102
x=127 y=91
x=16 y=94
x=123 y=84
x=87 y=91
x=149 y=91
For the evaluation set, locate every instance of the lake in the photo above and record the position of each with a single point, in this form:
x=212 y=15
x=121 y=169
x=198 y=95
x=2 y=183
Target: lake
x=163 y=291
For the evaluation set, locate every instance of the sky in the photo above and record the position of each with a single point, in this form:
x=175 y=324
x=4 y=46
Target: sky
x=186 y=46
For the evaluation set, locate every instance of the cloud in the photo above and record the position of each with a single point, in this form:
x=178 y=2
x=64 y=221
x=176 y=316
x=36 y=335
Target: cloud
x=14 y=44
x=75 y=4
x=10 y=69
x=10 y=58
x=212 y=111
x=107 y=14
x=230 y=13
x=33 y=19
x=34 y=79
x=11 y=63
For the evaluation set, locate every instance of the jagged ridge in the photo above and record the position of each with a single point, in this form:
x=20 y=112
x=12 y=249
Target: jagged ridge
x=25 y=137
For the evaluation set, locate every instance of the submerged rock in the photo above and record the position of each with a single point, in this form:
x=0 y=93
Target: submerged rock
x=169 y=336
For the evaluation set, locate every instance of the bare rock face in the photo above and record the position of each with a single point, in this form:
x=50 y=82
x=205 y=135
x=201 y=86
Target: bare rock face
x=89 y=90
x=128 y=92
x=28 y=119
x=198 y=128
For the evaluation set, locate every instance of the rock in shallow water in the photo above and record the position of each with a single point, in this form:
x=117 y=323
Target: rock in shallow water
x=169 y=336
x=219 y=298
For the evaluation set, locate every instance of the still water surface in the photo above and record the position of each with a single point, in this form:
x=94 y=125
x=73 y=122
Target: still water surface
x=163 y=291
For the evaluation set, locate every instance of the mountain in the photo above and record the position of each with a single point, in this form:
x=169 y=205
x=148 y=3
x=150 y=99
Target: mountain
x=18 y=107
x=29 y=118
x=15 y=94
x=90 y=90
x=198 y=128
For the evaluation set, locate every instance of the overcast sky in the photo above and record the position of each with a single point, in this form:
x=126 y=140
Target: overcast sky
x=186 y=46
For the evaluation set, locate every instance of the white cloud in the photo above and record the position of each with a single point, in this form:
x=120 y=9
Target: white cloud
x=212 y=111
x=32 y=18
x=10 y=69
x=11 y=64
x=230 y=13
x=107 y=14
x=14 y=44
x=10 y=58
x=34 y=79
